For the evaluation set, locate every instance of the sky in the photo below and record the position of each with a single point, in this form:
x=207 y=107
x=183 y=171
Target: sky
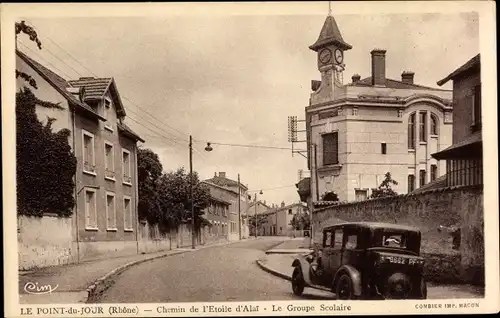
x=235 y=79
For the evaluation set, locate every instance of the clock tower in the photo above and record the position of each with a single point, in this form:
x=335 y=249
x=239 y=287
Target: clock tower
x=330 y=48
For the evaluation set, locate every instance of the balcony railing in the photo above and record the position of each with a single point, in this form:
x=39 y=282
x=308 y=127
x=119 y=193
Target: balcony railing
x=88 y=167
x=127 y=179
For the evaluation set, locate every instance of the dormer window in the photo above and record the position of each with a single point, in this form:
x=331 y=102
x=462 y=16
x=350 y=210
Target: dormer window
x=107 y=114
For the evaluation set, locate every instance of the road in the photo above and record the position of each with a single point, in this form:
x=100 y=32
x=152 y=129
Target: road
x=226 y=273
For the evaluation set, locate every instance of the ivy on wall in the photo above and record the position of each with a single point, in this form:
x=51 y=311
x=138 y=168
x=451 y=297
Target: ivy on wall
x=45 y=163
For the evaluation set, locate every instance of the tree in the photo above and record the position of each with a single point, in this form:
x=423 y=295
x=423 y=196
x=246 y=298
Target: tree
x=149 y=172
x=330 y=196
x=257 y=220
x=174 y=193
x=385 y=189
x=301 y=221
x=45 y=164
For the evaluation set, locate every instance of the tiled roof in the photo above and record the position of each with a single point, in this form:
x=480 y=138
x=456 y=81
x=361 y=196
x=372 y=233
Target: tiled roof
x=469 y=147
x=126 y=129
x=59 y=83
x=390 y=83
x=436 y=184
x=94 y=87
x=330 y=33
x=224 y=182
x=470 y=64
x=261 y=203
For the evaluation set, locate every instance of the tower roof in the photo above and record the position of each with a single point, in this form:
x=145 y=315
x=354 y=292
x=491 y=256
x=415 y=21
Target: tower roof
x=330 y=34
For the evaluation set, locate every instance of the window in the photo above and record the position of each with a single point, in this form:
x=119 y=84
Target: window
x=476 y=108
x=330 y=149
x=351 y=242
x=411 y=131
x=339 y=236
x=327 y=239
x=90 y=209
x=411 y=183
x=384 y=148
x=423 y=126
x=289 y=211
x=355 y=111
x=434 y=170
x=88 y=153
x=110 y=212
x=434 y=125
x=110 y=161
x=127 y=178
x=361 y=195
x=422 y=177
x=394 y=240
x=107 y=113
x=127 y=213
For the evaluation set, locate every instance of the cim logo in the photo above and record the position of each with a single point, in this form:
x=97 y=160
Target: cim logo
x=34 y=288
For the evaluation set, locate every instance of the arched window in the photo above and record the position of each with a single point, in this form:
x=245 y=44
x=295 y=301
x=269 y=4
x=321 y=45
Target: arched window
x=434 y=125
x=411 y=131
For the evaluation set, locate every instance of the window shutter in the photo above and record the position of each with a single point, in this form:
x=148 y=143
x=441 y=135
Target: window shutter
x=330 y=148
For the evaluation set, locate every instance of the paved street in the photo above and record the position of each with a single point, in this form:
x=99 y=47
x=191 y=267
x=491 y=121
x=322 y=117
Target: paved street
x=214 y=274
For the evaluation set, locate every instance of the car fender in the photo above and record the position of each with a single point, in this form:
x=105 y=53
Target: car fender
x=355 y=276
x=304 y=266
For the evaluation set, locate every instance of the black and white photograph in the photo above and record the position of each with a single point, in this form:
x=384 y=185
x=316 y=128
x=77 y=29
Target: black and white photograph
x=288 y=158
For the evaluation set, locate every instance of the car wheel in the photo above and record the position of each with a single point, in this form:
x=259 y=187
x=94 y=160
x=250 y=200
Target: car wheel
x=298 y=282
x=344 y=288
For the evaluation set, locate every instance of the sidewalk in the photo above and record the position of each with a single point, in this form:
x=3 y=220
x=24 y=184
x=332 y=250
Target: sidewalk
x=298 y=245
x=70 y=283
x=280 y=265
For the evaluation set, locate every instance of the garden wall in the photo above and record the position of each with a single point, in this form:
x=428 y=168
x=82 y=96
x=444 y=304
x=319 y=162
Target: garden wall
x=428 y=210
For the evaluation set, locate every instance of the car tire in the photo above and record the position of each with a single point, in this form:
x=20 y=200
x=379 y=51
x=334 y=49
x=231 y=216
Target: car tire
x=298 y=283
x=344 y=288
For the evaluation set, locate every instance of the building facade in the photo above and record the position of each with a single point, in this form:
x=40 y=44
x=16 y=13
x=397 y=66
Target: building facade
x=104 y=220
x=237 y=220
x=279 y=219
x=464 y=157
x=359 y=131
x=217 y=213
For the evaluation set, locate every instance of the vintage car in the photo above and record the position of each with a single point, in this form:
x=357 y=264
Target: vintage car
x=364 y=260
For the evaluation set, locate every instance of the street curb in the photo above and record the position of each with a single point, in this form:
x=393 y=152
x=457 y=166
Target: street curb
x=97 y=288
x=269 y=252
x=273 y=271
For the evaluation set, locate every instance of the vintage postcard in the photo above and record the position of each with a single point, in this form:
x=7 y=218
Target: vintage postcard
x=249 y=159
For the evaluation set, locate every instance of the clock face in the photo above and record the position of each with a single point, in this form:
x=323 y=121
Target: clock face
x=339 y=56
x=325 y=56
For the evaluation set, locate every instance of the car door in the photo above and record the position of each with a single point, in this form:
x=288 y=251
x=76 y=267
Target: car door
x=327 y=249
x=335 y=254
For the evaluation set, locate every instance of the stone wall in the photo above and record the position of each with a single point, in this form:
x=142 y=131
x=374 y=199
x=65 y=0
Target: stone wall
x=37 y=249
x=428 y=210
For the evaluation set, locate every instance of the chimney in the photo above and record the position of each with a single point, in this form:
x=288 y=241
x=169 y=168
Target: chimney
x=222 y=174
x=378 y=67
x=355 y=78
x=283 y=204
x=407 y=77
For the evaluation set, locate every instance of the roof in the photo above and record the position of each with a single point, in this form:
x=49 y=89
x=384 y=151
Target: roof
x=330 y=34
x=95 y=88
x=225 y=182
x=253 y=203
x=128 y=131
x=279 y=209
x=59 y=83
x=470 y=147
x=391 y=83
x=472 y=64
x=377 y=225
x=207 y=182
x=436 y=184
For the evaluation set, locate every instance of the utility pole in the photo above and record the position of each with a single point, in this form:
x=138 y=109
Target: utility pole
x=255 y=214
x=239 y=206
x=191 y=189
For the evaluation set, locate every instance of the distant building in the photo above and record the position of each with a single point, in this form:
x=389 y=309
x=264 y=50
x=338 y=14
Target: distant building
x=104 y=221
x=357 y=132
x=464 y=157
x=217 y=213
x=279 y=219
x=235 y=216
x=255 y=208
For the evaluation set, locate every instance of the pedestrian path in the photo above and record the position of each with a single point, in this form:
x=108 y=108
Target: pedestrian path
x=70 y=282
